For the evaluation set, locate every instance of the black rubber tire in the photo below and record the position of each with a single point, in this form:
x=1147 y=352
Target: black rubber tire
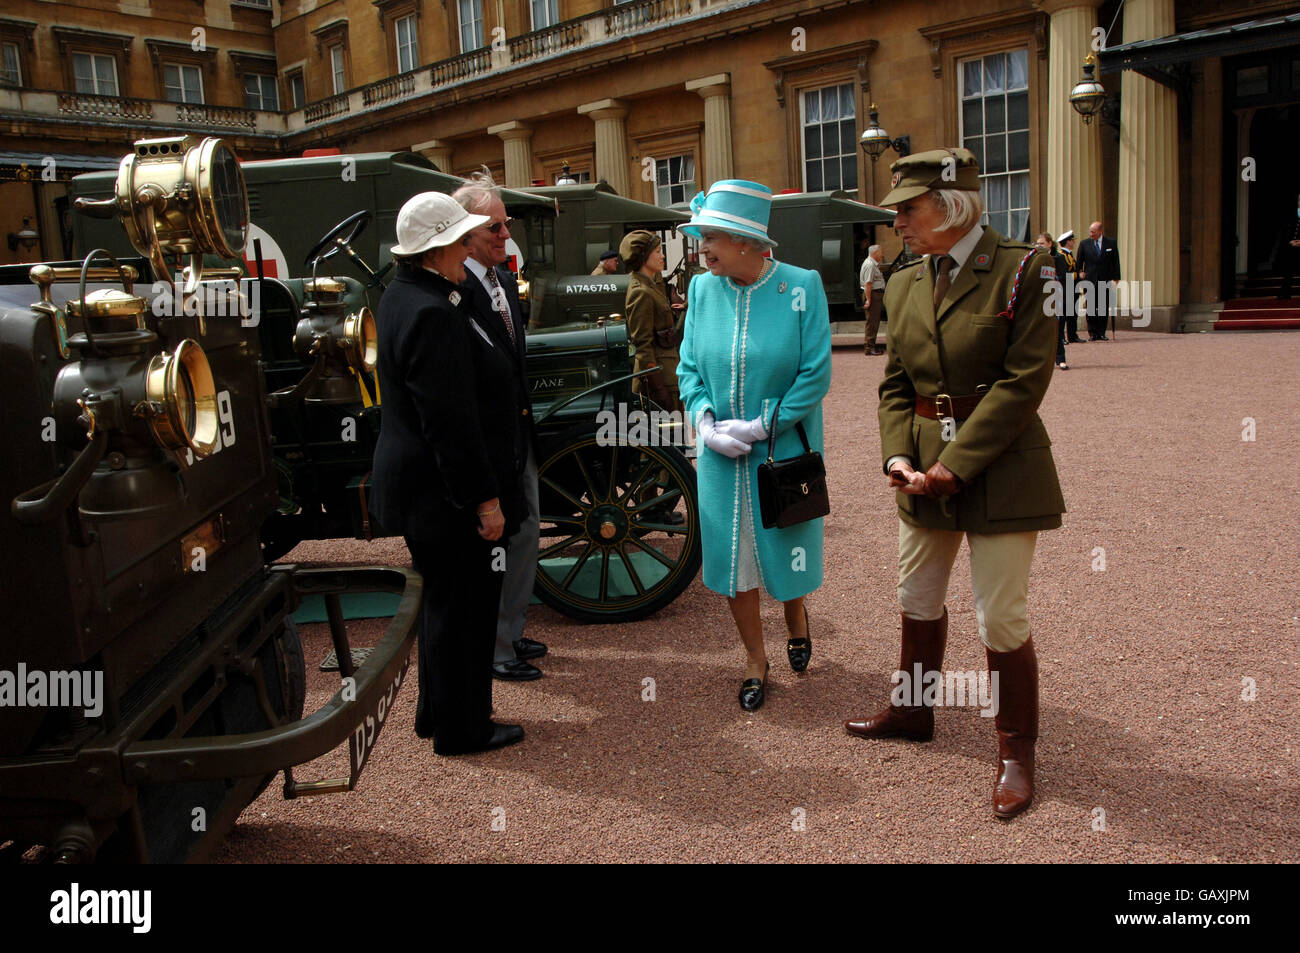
x=577 y=499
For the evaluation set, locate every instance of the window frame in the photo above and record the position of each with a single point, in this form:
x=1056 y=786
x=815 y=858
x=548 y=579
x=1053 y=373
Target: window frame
x=338 y=69
x=1007 y=173
x=5 y=45
x=687 y=193
x=297 y=74
x=460 y=26
x=264 y=80
x=802 y=125
x=21 y=35
x=113 y=46
x=94 y=73
x=414 y=42
x=532 y=14
x=181 y=68
x=685 y=139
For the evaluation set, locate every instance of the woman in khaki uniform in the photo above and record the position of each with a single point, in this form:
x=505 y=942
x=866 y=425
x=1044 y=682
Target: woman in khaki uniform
x=651 y=319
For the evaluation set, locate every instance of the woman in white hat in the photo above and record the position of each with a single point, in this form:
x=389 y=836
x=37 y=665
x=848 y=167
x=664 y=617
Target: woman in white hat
x=757 y=335
x=446 y=469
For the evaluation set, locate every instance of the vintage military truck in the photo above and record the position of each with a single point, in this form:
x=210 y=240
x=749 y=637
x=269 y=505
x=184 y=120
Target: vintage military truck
x=827 y=232
x=152 y=679
x=620 y=526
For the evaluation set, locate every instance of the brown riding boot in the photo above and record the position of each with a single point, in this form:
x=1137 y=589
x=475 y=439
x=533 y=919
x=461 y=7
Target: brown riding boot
x=1017 y=724
x=923 y=642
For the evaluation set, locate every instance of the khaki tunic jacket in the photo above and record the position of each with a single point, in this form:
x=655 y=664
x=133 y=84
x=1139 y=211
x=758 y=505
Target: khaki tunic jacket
x=648 y=311
x=1001 y=452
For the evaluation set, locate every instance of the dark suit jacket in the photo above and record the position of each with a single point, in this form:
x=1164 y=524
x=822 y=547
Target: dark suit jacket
x=1099 y=264
x=479 y=303
x=446 y=441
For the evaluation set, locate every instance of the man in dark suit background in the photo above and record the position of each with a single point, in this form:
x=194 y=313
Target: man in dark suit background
x=1099 y=261
x=493 y=295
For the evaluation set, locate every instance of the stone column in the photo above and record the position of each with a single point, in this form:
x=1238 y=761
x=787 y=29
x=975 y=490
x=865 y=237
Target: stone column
x=1147 y=230
x=437 y=151
x=611 y=141
x=1074 y=174
x=716 y=93
x=518 y=137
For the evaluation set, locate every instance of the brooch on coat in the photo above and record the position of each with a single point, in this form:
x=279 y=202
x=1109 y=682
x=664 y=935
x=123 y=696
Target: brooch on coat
x=454 y=297
x=780 y=289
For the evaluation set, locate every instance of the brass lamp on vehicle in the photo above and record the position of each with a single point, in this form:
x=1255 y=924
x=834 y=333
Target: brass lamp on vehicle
x=342 y=344
x=180 y=197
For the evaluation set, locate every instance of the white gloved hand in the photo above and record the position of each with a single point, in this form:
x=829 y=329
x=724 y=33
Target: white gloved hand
x=746 y=431
x=720 y=442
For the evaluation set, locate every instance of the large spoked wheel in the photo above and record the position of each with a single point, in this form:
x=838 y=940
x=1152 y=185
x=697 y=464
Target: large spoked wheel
x=620 y=527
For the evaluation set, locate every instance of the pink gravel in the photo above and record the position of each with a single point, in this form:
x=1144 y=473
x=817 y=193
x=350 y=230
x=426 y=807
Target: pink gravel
x=1142 y=670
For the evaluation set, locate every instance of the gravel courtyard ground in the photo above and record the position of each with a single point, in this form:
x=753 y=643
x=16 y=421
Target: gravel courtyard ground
x=1169 y=678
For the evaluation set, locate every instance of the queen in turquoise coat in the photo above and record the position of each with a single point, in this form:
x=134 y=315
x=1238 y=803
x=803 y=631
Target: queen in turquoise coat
x=757 y=334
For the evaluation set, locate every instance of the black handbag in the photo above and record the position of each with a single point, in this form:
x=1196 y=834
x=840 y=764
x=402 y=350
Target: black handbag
x=792 y=491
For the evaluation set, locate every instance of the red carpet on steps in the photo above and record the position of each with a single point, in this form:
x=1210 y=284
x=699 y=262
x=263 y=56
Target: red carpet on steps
x=1259 y=314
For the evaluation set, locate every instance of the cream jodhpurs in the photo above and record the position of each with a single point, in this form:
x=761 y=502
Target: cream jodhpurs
x=999 y=575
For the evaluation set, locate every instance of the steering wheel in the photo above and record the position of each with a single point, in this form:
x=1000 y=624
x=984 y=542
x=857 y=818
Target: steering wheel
x=353 y=225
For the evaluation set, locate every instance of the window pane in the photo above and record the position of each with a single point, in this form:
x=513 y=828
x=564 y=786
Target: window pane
x=11 y=72
x=1252 y=81
x=1018 y=69
x=832 y=175
x=1020 y=190
x=971 y=85
x=976 y=146
x=995 y=191
x=995 y=151
x=1018 y=150
x=298 y=90
x=814 y=176
x=993 y=69
x=849 y=173
x=661 y=173
x=688 y=169
x=811 y=111
x=1019 y=228
x=995 y=114
x=830 y=140
x=999 y=222
x=106 y=75
x=172 y=84
x=830 y=104
x=847 y=107
x=972 y=117
x=812 y=142
x=1018 y=111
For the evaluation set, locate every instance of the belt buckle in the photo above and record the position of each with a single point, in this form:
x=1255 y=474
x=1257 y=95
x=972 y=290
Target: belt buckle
x=938 y=406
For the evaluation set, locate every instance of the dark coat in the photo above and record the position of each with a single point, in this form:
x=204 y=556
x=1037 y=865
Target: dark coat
x=447 y=439
x=1001 y=452
x=479 y=303
x=1099 y=264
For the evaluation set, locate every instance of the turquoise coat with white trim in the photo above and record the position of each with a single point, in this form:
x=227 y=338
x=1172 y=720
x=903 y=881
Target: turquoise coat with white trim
x=744 y=348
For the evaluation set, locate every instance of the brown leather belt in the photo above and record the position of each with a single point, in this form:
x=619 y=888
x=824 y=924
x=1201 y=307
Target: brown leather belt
x=945 y=405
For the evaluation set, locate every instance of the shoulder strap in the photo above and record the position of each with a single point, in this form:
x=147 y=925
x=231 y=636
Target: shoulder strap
x=1009 y=312
x=771 y=437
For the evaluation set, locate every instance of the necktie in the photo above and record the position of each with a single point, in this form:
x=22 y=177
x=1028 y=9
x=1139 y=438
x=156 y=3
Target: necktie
x=943 y=265
x=499 y=302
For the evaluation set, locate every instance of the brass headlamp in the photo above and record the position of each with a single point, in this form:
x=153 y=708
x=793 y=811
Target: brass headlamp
x=179 y=197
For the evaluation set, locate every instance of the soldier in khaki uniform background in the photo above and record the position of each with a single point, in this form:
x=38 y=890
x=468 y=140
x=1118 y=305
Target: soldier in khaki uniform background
x=651 y=319
x=962 y=443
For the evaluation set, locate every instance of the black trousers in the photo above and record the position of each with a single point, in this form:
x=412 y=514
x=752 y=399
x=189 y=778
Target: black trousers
x=1098 y=298
x=458 y=627
x=1060 y=339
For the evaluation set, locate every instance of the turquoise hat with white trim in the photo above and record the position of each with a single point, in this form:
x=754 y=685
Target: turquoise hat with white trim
x=735 y=206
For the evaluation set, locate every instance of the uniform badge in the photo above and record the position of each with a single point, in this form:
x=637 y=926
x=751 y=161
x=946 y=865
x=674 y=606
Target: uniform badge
x=981 y=259
x=780 y=289
x=454 y=297
x=1047 y=273
x=897 y=177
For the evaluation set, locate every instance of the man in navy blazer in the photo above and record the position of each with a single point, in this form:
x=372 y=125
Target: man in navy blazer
x=1099 y=261
x=493 y=295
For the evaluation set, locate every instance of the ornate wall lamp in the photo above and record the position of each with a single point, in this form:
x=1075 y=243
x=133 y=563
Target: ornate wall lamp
x=875 y=140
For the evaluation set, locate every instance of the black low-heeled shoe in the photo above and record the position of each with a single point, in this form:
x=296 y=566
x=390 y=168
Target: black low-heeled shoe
x=751 y=691
x=799 y=651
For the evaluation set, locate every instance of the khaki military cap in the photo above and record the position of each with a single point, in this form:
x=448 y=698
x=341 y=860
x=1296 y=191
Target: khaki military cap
x=636 y=247
x=917 y=174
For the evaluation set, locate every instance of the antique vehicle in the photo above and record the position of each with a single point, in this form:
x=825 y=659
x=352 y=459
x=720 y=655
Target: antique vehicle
x=619 y=524
x=827 y=232
x=152 y=680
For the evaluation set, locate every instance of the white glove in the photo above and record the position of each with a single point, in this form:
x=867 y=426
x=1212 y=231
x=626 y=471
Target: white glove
x=746 y=431
x=719 y=442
